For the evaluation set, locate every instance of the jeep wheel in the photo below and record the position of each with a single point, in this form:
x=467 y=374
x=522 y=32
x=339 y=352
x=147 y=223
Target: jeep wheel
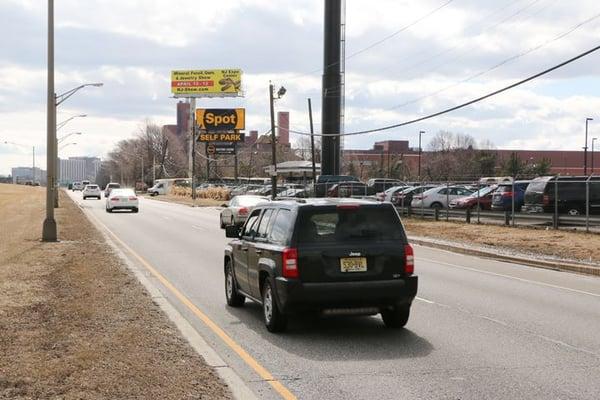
x=396 y=316
x=275 y=320
x=234 y=299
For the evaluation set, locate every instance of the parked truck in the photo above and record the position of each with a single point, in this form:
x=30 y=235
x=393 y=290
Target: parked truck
x=163 y=186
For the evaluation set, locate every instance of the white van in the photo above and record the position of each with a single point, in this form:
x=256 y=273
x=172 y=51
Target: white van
x=162 y=186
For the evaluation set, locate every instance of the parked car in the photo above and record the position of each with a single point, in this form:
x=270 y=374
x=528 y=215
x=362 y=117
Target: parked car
x=388 y=193
x=238 y=208
x=502 y=197
x=299 y=193
x=376 y=185
x=481 y=199
x=77 y=186
x=540 y=195
x=92 y=191
x=244 y=189
x=333 y=256
x=266 y=190
x=439 y=197
x=348 y=189
x=405 y=197
x=326 y=182
x=110 y=186
x=122 y=199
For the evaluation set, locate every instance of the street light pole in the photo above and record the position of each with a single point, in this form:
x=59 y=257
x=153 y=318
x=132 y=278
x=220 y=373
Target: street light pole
x=280 y=93
x=49 y=226
x=273 y=145
x=586 y=146
x=593 y=140
x=420 y=152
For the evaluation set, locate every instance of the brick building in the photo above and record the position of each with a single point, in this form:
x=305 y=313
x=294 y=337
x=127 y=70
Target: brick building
x=385 y=154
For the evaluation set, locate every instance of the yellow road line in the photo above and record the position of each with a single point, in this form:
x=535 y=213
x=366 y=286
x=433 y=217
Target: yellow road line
x=233 y=345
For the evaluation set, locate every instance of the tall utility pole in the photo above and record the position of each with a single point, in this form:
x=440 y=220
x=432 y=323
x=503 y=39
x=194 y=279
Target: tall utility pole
x=331 y=91
x=420 y=152
x=153 y=167
x=586 y=146
x=273 y=145
x=49 y=227
x=312 y=143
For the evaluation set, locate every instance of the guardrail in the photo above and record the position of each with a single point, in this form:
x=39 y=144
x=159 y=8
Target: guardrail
x=505 y=217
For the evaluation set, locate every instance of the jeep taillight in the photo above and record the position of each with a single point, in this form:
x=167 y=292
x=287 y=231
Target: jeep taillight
x=289 y=268
x=409 y=260
x=243 y=211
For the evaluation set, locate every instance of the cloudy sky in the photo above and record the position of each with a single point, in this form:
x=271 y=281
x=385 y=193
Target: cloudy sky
x=405 y=59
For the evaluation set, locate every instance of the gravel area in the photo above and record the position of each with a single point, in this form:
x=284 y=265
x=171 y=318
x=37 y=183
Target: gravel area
x=76 y=324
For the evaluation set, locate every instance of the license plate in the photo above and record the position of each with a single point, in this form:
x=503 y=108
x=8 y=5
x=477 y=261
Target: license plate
x=353 y=264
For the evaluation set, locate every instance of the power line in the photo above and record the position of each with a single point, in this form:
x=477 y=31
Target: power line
x=451 y=49
x=468 y=103
x=498 y=65
x=377 y=43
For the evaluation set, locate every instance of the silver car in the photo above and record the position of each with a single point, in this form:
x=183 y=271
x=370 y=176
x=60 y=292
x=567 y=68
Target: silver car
x=236 y=212
x=439 y=197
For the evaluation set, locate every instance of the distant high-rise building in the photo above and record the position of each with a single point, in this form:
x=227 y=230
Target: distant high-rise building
x=283 y=127
x=22 y=174
x=78 y=169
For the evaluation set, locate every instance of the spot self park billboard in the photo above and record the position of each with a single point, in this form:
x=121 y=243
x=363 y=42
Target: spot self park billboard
x=206 y=83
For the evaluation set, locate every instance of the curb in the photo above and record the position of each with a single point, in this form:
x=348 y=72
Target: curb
x=565 y=266
x=238 y=388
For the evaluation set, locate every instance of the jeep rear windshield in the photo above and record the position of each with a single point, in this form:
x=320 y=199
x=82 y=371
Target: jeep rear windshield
x=363 y=223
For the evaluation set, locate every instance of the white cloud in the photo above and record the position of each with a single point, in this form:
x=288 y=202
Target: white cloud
x=131 y=47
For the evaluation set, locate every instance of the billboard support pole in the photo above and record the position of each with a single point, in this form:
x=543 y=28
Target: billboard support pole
x=207 y=162
x=192 y=101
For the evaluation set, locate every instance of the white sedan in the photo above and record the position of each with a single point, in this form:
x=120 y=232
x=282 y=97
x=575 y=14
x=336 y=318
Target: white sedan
x=91 y=191
x=122 y=199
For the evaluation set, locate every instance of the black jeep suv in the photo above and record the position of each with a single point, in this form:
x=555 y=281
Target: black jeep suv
x=333 y=256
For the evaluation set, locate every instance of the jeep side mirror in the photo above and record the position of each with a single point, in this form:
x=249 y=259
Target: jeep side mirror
x=225 y=205
x=232 y=231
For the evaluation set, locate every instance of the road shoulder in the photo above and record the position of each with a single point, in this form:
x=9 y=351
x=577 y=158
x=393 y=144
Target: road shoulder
x=235 y=383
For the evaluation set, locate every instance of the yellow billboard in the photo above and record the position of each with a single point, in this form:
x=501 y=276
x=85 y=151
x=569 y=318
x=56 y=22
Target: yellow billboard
x=206 y=83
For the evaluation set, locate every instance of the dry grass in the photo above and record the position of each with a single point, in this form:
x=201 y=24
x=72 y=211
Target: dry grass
x=74 y=322
x=563 y=244
x=213 y=193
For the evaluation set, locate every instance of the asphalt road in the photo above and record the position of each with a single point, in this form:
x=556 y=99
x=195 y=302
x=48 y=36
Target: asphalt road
x=479 y=329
